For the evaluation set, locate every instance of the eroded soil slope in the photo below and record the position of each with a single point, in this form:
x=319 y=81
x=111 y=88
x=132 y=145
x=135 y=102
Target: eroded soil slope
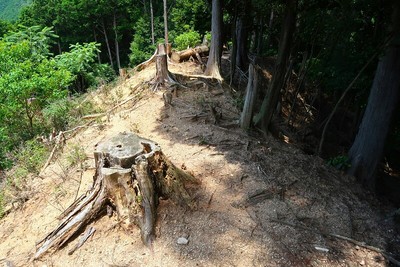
x=260 y=203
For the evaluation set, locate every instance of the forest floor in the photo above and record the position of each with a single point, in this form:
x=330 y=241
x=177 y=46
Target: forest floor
x=259 y=202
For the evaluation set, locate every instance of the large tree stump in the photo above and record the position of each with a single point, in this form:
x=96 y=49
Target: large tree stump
x=131 y=174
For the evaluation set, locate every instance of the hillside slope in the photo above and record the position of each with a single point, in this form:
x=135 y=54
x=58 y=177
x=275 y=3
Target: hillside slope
x=10 y=9
x=260 y=203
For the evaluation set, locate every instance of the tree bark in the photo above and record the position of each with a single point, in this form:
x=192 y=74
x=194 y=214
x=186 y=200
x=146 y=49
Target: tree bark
x=272 y=97
x=131 y=173
x=251 y=95
x=232 y=65
x=242 y=34
x=152 y=22
x=107 y=43
x=214 y=59
x=95 y=39
x=165 y=22
x=161 y=65
x=116 y=40
x=187 y=53
x=367 y=149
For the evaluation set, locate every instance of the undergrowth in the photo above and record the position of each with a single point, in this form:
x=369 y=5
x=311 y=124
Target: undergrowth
x=29 y=157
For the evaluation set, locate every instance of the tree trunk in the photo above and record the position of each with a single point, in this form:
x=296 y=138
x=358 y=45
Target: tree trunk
x=116 y=40
x=152 y=22
x=259 y=39
x=242 y=34
x=214 y=59
x=233 y=49
x=187 y=53
x=95 y=39
x=272 y=97
x=107 y=43
x=367 y=149
x=251 y=95
x=131 y=173
x=161 y=65
x=165 y=23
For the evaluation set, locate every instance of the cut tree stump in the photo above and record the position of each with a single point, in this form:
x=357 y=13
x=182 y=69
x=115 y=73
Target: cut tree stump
x=131 y=174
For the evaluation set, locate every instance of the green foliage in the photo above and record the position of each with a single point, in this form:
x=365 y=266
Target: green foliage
x=29 y=81
x=80 y=61
x=9 y=9
x=342 y=41
x=340 y=162
x=38 y=38
x=141 y=47
x=188 y=39
x=66 y=112
x=207 y=36
x=30 y=157
x=195 y=14
x=57 y=114
x=76 y=156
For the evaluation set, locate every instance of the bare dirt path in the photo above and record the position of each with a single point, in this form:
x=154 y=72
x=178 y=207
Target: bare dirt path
x=251 y=194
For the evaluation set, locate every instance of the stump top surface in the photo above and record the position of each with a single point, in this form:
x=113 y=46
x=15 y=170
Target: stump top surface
x=122 y=147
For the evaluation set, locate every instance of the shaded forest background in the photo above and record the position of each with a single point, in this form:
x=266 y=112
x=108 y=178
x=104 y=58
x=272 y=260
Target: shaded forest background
x=56 y=50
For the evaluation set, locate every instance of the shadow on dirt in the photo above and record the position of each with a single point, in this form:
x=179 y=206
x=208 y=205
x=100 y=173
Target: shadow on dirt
x=263 y=203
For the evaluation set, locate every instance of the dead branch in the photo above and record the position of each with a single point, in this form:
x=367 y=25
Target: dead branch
x=59 y=138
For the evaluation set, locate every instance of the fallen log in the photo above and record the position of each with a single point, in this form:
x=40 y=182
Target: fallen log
x=190 y=52
x=131 y=174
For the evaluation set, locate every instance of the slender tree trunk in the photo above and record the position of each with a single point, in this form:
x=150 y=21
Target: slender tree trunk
x=116 y=40
x=251 y=95
x=165 y=23
x=95 y=39
x=214 y=59
x=242 y=34
x=152 y=22
x=259 y=39
x=367 y=149
x=107 y=43
x=272 y=98
x=233 y=49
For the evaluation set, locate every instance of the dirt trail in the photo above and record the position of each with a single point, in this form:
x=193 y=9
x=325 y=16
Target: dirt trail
x=250 y=191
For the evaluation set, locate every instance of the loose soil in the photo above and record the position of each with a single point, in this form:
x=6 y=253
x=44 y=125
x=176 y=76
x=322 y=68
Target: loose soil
x=259 y=202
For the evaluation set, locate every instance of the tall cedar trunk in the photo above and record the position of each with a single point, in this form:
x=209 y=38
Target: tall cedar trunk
x=242 y=33
x=251 y=95
x=152 y=22
x=107 y=43
x=233 y=49
x=165 y=22
x=116 y=40
x=272 y=97
x=367 y=149
x=214 y=58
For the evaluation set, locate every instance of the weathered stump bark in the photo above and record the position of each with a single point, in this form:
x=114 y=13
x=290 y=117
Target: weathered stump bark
x=161 y=65
x=251 y=96
x=131 y=174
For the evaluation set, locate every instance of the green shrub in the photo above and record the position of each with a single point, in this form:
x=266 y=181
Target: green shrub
x=31 y=156
x=76 y=156
x=187 y=39
x=57 y=114
x=340 y=162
